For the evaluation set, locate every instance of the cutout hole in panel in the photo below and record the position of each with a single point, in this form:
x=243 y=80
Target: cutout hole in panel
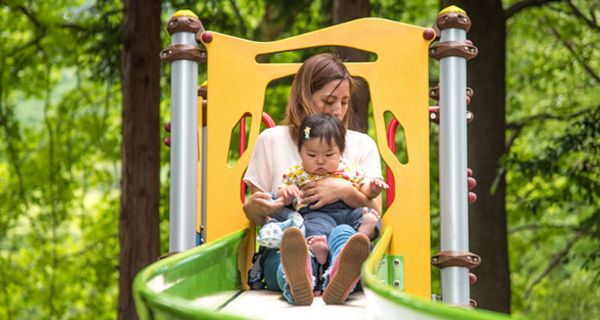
x=396 y=131
x=238 y=142
x=277 y=94
x=298 y=56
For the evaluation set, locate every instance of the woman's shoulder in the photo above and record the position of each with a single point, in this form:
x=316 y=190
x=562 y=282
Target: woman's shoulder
x=362 y=151
x=355 y=137
x=276 y=132
x=277 y=137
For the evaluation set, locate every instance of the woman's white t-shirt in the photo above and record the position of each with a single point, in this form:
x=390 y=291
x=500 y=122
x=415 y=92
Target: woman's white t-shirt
x=275 y=152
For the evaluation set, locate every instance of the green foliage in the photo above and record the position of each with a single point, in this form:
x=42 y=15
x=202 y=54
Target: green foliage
x=552 y=165
x=59 y=151
x=574 y=299
x=60 y=135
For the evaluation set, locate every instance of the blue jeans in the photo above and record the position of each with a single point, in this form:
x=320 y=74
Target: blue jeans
x=273 y=270
x=322 y=221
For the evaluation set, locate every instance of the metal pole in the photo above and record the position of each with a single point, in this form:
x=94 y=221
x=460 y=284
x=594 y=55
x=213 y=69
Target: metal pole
x=183 y=27
x=455 y=260
x=454 y=233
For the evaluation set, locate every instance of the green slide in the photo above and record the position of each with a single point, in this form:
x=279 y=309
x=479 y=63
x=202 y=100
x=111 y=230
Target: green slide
x=202 y=282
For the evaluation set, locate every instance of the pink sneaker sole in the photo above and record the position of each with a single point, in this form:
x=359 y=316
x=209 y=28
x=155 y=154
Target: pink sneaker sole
x=346 y=269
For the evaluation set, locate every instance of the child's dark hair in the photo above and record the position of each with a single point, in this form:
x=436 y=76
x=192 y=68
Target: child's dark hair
x=323 y=126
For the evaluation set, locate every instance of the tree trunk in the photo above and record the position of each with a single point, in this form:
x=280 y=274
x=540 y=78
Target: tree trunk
x=140 y=184
x=346 y=10
x=486 y=75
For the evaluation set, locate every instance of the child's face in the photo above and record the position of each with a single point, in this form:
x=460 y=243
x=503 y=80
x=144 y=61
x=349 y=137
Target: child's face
x=320 y=157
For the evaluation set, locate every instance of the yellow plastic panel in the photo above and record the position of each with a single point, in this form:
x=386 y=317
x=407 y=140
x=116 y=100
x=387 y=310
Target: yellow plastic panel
x=399 y=83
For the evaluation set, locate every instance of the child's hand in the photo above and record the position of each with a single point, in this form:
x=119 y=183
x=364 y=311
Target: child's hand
x=289 y=193
x=376 y=186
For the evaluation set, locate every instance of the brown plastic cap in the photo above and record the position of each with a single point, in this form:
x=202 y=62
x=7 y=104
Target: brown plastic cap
x=183 y=52
x=184 y=23
x=462 y=49
x=456 y=259
x=457 y=20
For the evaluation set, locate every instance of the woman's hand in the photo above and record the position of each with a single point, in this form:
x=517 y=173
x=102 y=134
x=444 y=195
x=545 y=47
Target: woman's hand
x=260 y=205
x=325 y=191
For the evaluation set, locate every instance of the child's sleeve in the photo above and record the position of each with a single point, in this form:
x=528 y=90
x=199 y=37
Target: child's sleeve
x=363 y=179
x=289 y=177
x=358 y=175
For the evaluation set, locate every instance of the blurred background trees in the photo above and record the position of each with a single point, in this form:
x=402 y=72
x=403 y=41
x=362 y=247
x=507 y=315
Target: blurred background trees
x=62 y=103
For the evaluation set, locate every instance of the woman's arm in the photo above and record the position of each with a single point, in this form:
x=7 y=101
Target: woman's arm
x=329 y=190
x=259 y=206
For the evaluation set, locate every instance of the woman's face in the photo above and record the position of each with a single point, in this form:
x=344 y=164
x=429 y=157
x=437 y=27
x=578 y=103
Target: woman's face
x=332 y=98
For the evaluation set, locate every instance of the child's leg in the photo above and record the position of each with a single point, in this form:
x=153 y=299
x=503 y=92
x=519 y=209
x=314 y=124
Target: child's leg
x=318 y=225
x=369 y=221
x=318 y=246
x=365 y=220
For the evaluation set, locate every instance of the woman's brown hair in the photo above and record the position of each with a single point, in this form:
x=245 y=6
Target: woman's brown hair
x=314 y=74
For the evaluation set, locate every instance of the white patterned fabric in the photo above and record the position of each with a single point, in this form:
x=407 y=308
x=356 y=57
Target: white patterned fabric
x=270 y=234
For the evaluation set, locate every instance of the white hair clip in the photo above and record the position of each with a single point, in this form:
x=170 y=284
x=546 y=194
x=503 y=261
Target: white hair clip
x=307 y=133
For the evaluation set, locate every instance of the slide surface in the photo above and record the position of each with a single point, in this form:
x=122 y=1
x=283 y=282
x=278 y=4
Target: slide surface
x=201 y=282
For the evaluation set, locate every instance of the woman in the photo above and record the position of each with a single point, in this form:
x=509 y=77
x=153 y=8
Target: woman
x=322 y=84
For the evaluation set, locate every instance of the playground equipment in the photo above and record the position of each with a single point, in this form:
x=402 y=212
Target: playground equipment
x=209 y=281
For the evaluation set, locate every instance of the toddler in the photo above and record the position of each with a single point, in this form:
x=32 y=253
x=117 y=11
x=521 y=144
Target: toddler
x=321 y=142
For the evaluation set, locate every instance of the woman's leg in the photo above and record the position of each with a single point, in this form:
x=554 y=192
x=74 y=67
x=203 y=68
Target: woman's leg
x=338 y=238
x=273 y=271
x=270 y=267
x=349 y=250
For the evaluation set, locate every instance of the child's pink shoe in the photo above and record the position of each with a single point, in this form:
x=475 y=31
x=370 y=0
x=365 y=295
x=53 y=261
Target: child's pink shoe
x=345 y=272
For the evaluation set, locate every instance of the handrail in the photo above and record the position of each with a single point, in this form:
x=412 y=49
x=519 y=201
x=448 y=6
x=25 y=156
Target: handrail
x=269 y=123
x=169 y=286
x=386 y=301
x=389 y=177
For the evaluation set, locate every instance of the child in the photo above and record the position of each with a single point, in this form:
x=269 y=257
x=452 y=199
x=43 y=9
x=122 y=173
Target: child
x=321 y=142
